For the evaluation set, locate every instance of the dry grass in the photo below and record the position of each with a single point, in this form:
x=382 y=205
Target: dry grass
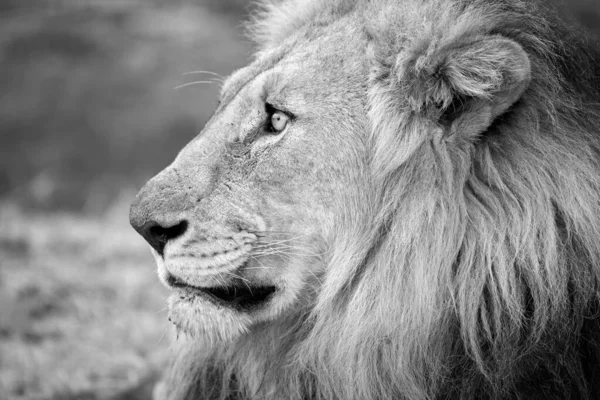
x=81 y=310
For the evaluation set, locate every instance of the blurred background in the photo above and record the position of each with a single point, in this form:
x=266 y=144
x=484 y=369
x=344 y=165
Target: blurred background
x=96 y=96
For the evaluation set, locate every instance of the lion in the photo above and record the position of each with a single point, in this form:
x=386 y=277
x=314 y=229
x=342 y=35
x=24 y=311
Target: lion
x=393 y=200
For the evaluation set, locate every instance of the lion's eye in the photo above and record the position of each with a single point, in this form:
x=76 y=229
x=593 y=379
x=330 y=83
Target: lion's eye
x=279 y=121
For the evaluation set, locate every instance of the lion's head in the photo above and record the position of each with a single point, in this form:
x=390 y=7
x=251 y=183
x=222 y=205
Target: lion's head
x=396 y=199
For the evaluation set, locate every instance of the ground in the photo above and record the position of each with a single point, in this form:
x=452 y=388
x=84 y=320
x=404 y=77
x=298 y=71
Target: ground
x=81 y=309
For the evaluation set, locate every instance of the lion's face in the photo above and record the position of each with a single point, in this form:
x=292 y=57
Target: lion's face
x=240 y=222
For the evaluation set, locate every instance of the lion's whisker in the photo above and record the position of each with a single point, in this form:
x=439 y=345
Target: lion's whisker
x=246 y=281
x=282 y=254
x=164 y=332
x=162 y=310
x=287 y=239
x=284 y=246
x=221 y=78
x=192 y=83
x=314 y=275
x=262 y=266
x=257 y=268
x=284 y=249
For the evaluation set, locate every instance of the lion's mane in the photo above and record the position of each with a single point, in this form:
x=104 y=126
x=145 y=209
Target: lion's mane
x=480 y=274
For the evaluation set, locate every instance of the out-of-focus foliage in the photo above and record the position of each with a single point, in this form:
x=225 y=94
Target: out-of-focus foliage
x=87 y=99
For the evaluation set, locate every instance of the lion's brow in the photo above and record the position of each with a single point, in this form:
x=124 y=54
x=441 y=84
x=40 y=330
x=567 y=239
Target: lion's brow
x=240 y=79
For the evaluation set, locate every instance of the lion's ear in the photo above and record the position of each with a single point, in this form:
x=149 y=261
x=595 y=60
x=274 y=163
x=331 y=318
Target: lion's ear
x=465 y=86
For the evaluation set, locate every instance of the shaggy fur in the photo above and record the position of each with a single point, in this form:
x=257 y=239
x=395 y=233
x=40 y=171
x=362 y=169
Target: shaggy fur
x=471 y=268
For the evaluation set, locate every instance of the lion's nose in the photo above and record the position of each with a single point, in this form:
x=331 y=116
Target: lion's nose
x=160 y=210
x=158 y=235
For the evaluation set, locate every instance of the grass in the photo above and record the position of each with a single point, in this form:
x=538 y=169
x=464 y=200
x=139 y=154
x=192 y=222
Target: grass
x=81 y=310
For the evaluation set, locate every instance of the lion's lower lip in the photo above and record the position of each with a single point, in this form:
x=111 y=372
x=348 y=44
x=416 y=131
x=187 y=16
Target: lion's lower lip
x=241 y=296
x=237 y=295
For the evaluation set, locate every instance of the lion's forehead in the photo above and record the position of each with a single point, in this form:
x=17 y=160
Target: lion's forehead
x=313 y=64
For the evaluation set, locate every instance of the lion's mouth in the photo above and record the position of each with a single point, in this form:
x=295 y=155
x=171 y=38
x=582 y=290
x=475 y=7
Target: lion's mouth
x=241 y=296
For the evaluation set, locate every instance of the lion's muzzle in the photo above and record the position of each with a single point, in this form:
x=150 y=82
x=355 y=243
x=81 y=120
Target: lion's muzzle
x=200 y=257
x=158 y=211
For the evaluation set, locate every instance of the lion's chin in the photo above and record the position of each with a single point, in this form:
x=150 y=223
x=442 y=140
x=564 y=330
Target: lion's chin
x=200 y=315
x=197 y=318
